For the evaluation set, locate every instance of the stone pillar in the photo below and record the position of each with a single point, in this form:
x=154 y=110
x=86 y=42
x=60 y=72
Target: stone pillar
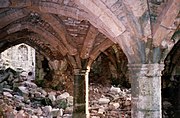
x=79 y=94
x=87 y=92
x=146 y=90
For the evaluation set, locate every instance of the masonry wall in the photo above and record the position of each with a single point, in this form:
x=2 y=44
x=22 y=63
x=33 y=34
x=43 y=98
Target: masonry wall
x=17 y=57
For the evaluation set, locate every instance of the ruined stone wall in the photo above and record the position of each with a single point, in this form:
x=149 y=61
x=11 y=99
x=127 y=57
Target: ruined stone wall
x=17 y=57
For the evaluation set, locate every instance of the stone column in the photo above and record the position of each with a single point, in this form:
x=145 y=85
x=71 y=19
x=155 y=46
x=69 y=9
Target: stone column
x=79 y=94
x=146 y=90
x=87 y=92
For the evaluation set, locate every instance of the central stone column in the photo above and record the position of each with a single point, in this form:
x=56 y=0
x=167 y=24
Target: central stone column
x=79 y=94
x=146 y=90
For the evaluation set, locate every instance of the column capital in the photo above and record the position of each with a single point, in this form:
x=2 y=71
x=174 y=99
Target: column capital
x=146 y=65
x=80 y=71
x=147 y=70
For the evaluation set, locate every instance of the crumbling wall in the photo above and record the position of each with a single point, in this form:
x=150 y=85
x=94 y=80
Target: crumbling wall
x=19 y=57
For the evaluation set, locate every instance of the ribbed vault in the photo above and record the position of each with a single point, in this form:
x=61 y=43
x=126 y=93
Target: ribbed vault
x=68 y=24
x=80 y=30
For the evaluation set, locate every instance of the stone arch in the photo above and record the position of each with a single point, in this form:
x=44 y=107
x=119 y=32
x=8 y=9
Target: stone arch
x=33 y=40
x=85 y=12
x=98 y=14
x=57 y=25
x=170 y=80
x=171 y=49
x=48 y=37
x=114 y=30
x=126 y=32
x=116 y=64
x=13 y=15
x=167 y=22
x=168 y=45
x=172 y=58
x=56 y=7
x=95 y=53
x=75 y=60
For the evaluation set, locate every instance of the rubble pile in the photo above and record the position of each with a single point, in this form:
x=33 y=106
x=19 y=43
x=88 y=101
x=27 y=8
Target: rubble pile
x=20 y=97
x=109 y=102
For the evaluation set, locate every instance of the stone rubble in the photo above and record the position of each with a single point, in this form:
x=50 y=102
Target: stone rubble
x=109 y=102
x=21 y=98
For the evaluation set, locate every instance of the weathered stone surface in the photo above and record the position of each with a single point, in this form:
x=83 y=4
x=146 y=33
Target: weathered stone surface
x=109 y=3
x=27 y=100
x=19 y=98
x=55 y=112
x=70 y=101
x=145 y=96
x=63 y=96
x=63 y=32
x=116 y=105
x=43 y=92
x=69 y=110
x=7 y=94
x=138 y=7
x=22 y=56
x=47 y=109
x=115 y=89
x=111 y=109
x=29 y=84
x=165 y=20
x=101 y=111
x=104 y=101
x=52 y=97
x=34 y=116
x=23 y=90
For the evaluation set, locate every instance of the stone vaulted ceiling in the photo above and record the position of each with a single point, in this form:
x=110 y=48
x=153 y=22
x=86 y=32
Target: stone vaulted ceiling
x=82 y=29
x=54 y=35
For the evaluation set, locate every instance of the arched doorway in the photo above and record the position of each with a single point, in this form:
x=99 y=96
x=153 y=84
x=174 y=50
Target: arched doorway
x=170 y=83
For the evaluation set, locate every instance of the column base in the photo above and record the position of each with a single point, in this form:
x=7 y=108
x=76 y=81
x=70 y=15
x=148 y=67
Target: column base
x=79 y=111
x=146 y=113
x=79 y=115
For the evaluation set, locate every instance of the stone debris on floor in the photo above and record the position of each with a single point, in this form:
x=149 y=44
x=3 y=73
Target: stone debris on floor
x=109 y=102
x=22 y=98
